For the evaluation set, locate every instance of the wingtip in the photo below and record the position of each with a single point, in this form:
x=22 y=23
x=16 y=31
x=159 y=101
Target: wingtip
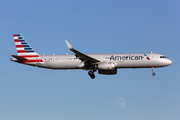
x=69 y=46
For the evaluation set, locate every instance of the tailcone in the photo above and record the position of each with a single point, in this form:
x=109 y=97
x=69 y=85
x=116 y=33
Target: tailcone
x=14 y=59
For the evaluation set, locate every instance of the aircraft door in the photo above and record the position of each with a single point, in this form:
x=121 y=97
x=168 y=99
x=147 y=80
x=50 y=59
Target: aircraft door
x=153 y=57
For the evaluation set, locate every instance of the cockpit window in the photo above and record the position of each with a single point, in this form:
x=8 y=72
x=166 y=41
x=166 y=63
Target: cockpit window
x=162 y=57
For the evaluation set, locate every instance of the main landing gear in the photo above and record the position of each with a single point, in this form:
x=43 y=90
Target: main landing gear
x=91 y=74
x=153 y=71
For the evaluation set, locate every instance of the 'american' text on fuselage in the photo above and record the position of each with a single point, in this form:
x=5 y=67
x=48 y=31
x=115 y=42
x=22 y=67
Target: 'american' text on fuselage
x=126 y=57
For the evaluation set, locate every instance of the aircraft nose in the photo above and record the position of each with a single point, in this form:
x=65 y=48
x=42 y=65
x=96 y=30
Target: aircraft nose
x=169 y=62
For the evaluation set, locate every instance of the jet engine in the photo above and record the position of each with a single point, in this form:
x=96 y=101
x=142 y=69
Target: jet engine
x=106 y=66
x=108 y=72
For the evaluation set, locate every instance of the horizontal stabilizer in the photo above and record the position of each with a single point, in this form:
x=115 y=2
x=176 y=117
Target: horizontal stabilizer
x=18 y=57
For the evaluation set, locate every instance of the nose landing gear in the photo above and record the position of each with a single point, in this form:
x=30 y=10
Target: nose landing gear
x=153 y=71
x=91 y=74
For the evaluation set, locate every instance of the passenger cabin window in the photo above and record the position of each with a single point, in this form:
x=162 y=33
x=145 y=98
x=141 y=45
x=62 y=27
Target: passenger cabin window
x=162 y=57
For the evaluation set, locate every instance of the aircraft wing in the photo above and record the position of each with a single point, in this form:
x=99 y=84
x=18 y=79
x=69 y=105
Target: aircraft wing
x=82 y=56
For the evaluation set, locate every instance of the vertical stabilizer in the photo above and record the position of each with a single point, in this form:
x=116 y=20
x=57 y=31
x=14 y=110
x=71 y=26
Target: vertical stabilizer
x=24 y=50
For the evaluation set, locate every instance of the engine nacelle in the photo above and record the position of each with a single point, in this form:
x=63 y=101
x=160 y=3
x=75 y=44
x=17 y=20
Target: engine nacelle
x=108 y=72
x=106 y=66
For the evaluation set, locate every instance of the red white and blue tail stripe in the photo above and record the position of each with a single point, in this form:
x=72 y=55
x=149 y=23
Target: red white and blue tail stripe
x=24 y=50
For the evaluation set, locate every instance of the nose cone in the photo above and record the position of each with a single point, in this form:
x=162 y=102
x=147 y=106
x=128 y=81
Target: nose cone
x=169 y=62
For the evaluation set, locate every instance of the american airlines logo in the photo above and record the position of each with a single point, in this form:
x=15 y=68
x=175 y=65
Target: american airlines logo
x=147 y=57
x=126 y=57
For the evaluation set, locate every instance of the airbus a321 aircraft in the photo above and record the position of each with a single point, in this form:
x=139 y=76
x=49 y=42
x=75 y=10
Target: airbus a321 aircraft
x=106 y=64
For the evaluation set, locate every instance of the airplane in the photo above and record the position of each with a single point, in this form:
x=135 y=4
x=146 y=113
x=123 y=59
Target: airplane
x=106 y=64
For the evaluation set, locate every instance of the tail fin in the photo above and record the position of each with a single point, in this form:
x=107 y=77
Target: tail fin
x=24 y=50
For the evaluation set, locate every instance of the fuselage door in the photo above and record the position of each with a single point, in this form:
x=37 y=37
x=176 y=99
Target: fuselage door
x=153 y=57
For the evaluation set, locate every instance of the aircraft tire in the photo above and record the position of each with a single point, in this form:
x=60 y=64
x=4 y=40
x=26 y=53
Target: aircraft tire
x=153 y=73
x=90 y=73
x=92 y=76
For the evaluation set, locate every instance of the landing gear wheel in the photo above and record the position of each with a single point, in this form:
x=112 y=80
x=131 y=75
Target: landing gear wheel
x=90 y=73
x=153 y=71
x=92 y=76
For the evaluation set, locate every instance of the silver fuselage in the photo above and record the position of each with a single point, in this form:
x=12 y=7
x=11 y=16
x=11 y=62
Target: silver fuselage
x=129 y=60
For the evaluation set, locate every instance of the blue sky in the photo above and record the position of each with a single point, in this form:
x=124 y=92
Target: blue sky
x=94 y=26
